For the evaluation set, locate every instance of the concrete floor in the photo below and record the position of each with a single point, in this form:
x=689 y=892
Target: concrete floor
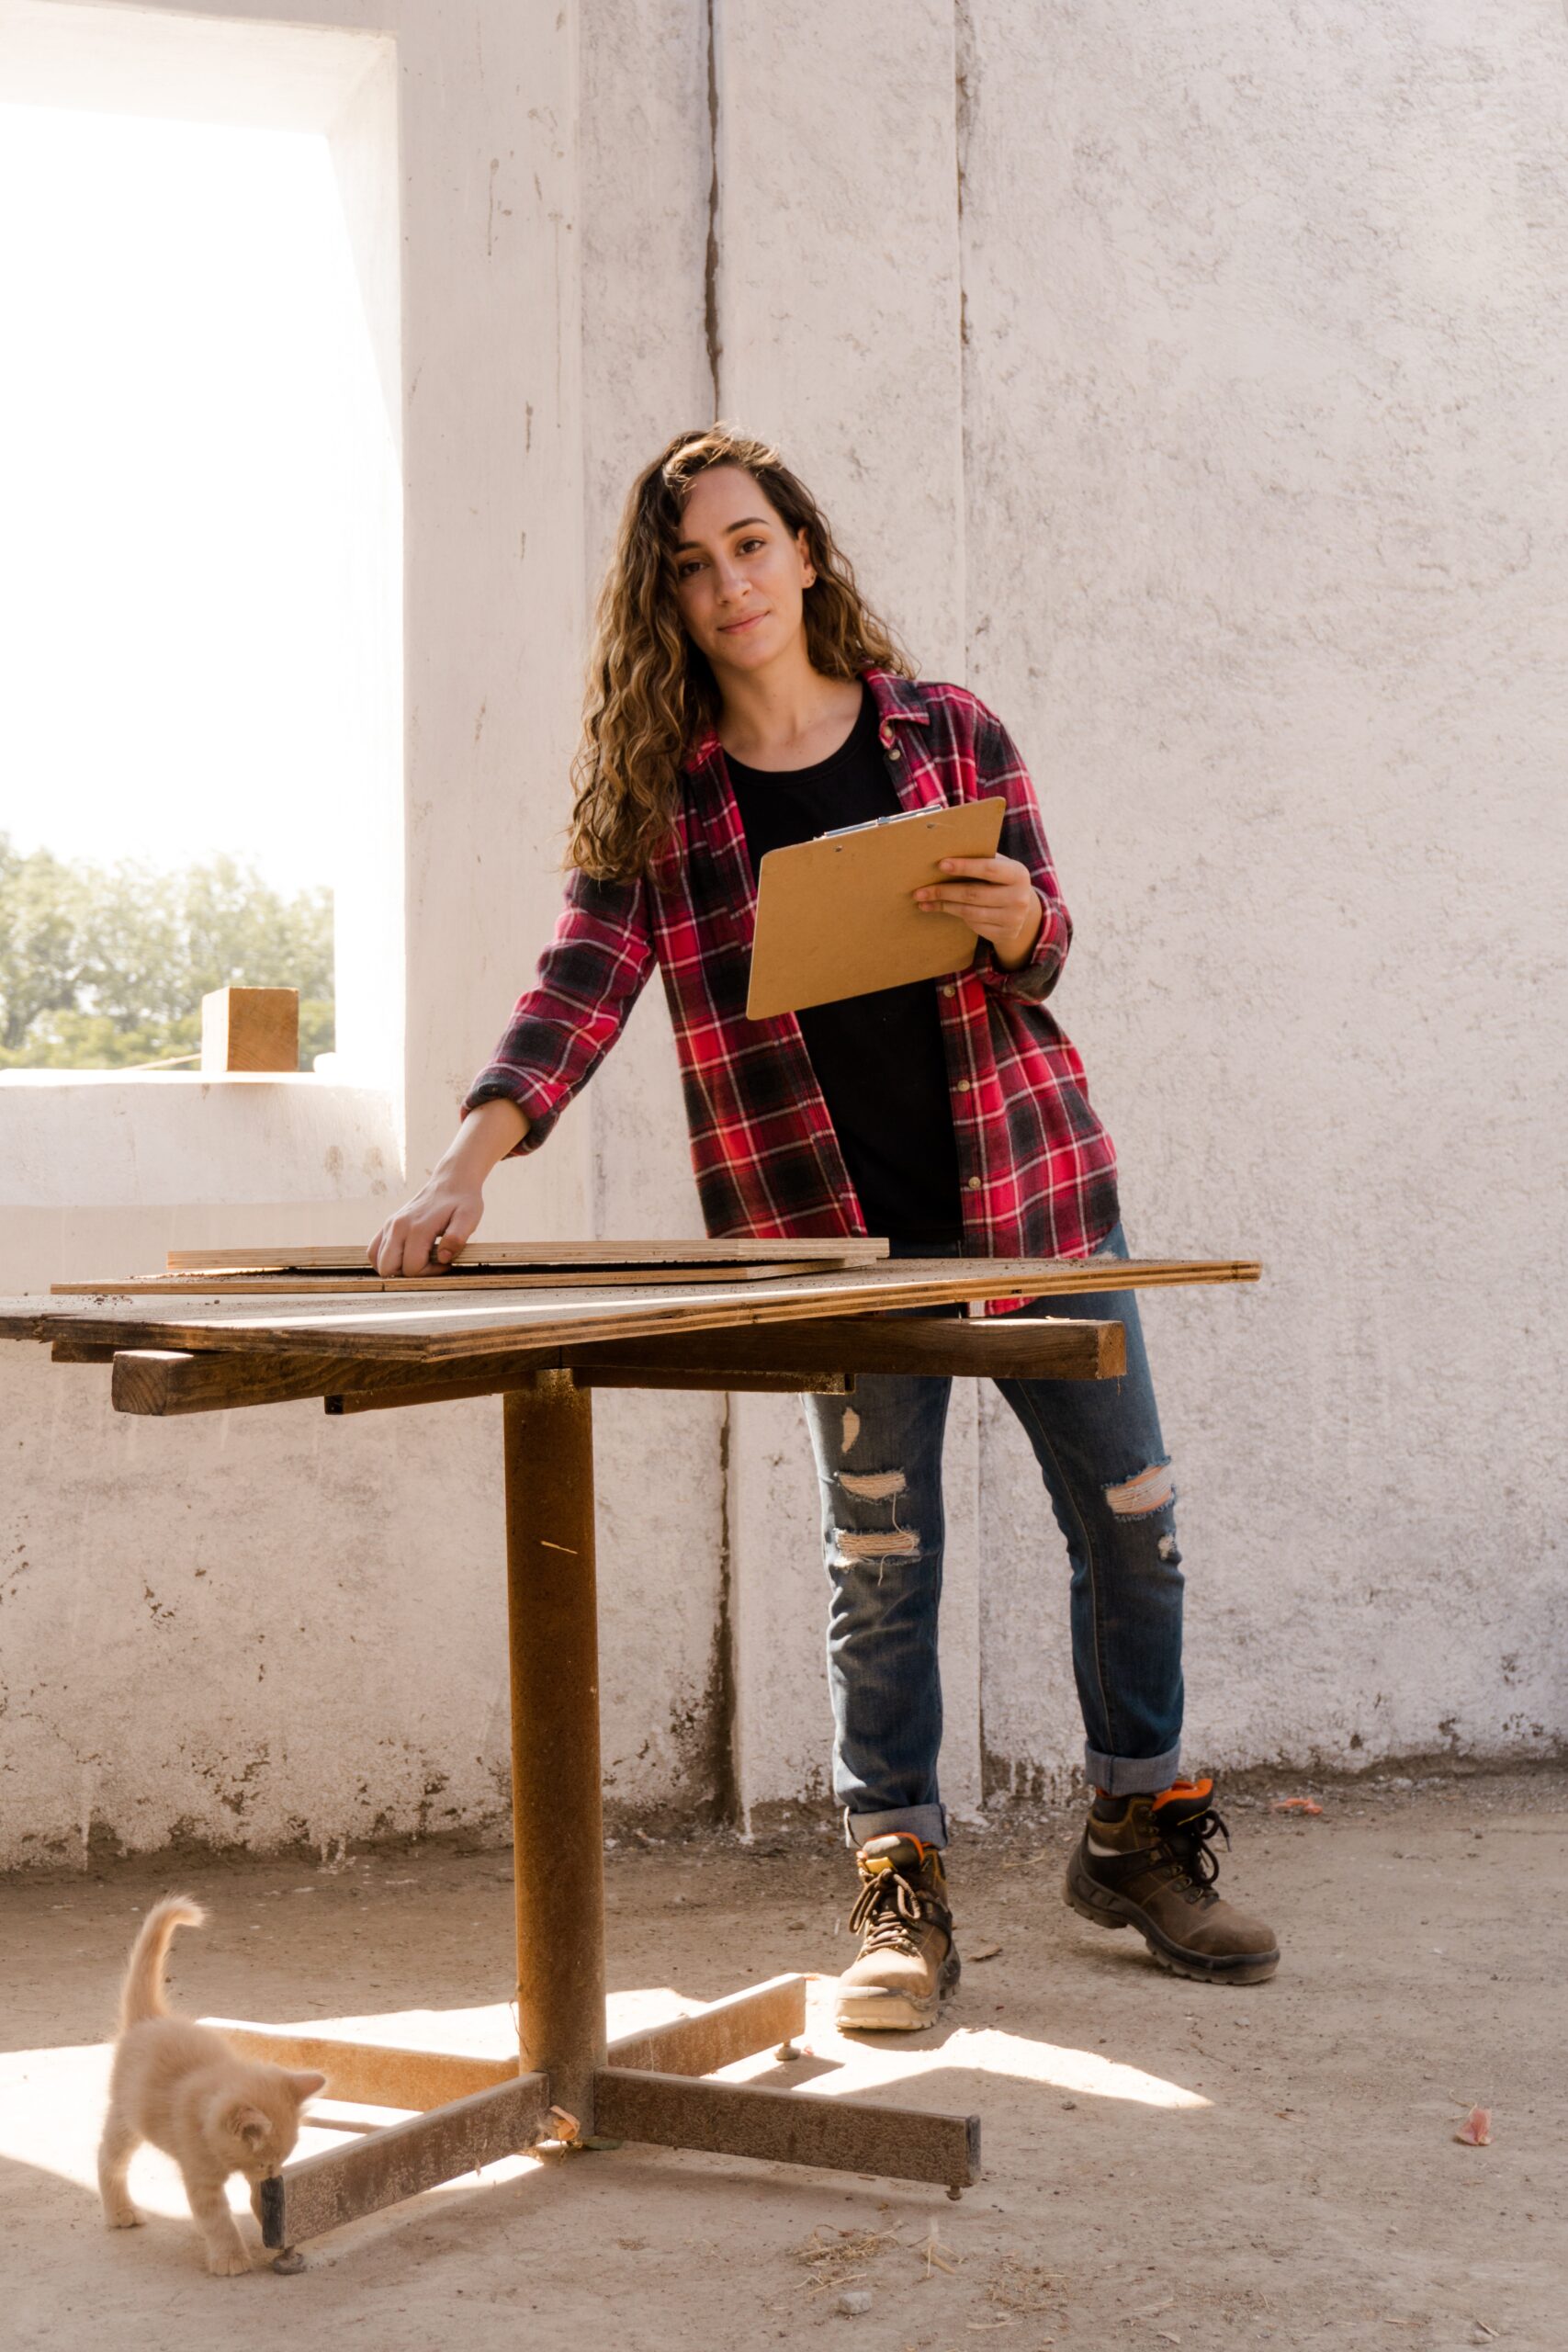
x=1165 y=2164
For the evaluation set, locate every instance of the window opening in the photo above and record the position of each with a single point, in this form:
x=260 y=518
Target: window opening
x=196 y=468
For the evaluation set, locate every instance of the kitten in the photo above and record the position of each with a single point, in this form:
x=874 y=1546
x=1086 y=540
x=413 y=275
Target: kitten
x=185 y=2089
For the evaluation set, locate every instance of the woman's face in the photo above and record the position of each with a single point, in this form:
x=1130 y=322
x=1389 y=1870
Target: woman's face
x=739 y=573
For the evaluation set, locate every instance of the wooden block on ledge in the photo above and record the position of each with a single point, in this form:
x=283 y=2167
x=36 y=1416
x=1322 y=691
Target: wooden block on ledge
x=250 y=1029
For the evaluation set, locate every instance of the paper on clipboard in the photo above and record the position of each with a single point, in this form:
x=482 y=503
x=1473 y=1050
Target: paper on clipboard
x=836 y=917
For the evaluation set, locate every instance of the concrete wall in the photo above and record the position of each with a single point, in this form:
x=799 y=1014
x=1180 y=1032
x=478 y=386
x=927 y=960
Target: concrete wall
x=1266 y=554
x=1180 y=380
x=266 y=1627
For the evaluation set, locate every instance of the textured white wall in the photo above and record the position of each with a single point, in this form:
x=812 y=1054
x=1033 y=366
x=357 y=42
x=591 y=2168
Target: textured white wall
x=1181 y=379
x=257 y=1627
x=1267 y=565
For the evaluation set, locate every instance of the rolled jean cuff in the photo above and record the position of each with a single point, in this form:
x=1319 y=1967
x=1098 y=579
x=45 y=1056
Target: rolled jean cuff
x=1132 y=1776
x=927 y=1822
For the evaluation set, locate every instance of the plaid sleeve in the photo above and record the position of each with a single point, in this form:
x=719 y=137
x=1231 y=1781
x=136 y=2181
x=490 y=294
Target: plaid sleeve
x=998 y=768
x=590 y=977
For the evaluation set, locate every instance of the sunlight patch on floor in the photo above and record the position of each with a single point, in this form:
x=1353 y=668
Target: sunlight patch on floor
x=51 y=2101
x=865 y=2064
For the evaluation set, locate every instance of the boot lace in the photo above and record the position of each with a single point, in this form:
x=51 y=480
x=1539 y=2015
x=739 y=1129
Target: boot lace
x=1186 y=1848
x=889 y=1908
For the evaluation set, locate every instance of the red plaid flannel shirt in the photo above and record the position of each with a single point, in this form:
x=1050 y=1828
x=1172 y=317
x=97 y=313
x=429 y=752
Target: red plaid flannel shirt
x=1037 y=1168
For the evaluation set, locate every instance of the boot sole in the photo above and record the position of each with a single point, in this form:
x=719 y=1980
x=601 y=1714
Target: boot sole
x=872 y=2008
x=1105 y=1909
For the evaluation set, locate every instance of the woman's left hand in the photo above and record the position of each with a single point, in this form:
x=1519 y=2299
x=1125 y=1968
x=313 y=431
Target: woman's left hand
x=996 y=898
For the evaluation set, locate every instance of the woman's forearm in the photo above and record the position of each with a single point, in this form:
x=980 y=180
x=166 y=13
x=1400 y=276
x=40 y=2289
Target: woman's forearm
x=489 y=1131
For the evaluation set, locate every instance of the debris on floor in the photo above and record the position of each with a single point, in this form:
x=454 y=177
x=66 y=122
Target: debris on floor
x=836 y=2257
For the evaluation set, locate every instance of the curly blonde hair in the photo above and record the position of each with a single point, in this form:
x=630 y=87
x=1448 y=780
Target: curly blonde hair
x=650 y=690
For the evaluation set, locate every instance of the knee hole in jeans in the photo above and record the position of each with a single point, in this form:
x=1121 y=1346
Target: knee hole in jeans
x=852 y=1545
x=1140 y=1497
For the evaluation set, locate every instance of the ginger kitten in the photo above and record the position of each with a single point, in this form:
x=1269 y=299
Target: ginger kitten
x=185 y=2089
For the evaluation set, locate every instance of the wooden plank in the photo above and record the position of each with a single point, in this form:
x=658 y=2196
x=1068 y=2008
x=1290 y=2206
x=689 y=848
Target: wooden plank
x=994 y=1348
x=368 y=2072
x=25 y=1319
x=792 y=1361
x=167 y=1380
x=852 y=1249
x=795 y=1359
x=819 y=1358
x=164 y=1382
x=344 y=1403
x=807 y=1359
x=368 y=1284
x=765 y=2016
x=429 y=1389
x=787 y=2127
x=323 y=2192
x=815 y=1383
x=437 y=1331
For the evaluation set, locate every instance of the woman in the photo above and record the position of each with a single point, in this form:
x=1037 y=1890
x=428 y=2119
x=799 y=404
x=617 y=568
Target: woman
x=743 y=697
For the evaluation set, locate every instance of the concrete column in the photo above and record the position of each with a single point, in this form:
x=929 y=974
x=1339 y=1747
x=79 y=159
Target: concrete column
x=836 y=327
x=647 y=170
x=493 y=440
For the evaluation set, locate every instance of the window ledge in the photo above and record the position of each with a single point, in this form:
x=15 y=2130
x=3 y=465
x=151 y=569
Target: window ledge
x=141 y=1078
x=107 y=1139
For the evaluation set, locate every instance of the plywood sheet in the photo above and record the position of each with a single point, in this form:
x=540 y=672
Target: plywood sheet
x=847 y=1250
x=364 y=1283
x=429 y=1330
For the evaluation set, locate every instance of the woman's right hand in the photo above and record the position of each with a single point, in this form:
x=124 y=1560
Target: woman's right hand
x=427 y=1233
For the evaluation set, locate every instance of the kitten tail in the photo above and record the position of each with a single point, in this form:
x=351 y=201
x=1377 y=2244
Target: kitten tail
x=142 y=1995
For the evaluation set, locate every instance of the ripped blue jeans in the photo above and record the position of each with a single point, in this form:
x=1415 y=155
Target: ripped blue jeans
x=879 y=1466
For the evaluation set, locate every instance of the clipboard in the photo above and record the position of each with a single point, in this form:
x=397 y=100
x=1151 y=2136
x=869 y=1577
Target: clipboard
x=836 y=917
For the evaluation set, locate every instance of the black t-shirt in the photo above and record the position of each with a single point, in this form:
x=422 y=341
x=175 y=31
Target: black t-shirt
x=878 y=1058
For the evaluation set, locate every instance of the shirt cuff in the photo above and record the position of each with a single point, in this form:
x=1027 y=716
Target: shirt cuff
x=541 y=1106
x=1033 y=982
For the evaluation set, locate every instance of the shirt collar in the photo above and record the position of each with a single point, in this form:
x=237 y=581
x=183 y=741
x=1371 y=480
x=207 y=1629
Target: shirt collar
x=896 y=699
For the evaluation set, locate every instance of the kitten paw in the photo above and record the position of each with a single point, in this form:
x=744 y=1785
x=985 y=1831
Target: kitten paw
x=121 y=2217
x=228 y=2261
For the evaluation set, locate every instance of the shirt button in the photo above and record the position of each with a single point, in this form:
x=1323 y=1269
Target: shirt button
x=973 y=1183
x=950 y=991
x=964 y=1086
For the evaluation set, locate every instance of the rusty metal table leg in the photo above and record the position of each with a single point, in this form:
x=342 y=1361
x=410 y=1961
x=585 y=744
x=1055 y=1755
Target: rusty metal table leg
x=321 y=2192
x=556 y=1819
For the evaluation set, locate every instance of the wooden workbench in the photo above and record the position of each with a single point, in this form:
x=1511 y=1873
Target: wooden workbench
x=545 y=1349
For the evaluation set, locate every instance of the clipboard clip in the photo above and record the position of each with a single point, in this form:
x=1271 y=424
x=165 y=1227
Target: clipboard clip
x=874 y=825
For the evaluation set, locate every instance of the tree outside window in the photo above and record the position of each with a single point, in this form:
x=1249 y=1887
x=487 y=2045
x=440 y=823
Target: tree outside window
x=105 y=967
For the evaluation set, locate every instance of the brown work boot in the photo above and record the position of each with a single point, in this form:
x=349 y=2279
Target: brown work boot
x=1147 y=1863
x=906 y=1965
